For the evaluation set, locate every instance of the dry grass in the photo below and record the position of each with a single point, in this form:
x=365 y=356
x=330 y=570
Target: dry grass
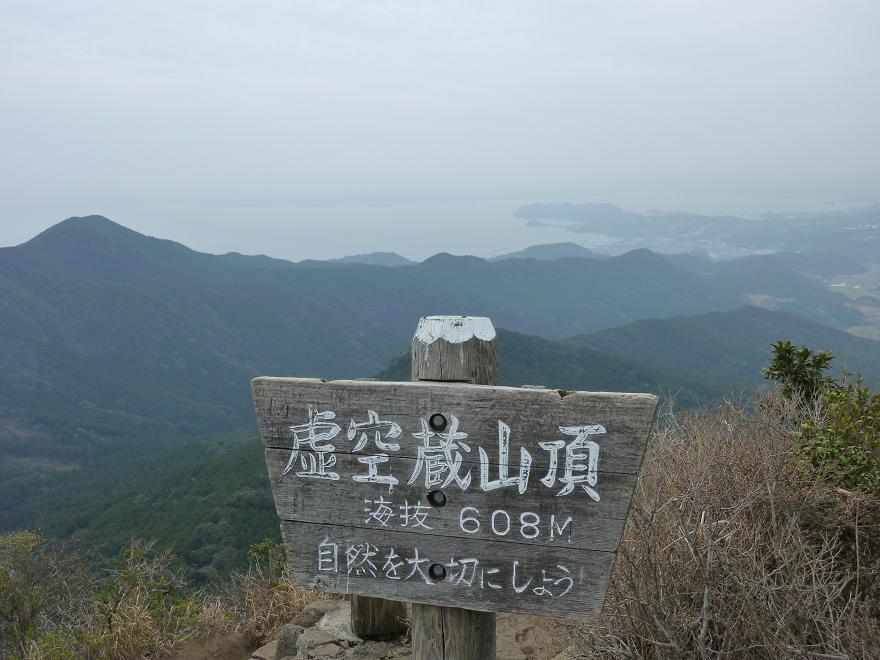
x=142 y=610
x=264 y=600
x=732 y=551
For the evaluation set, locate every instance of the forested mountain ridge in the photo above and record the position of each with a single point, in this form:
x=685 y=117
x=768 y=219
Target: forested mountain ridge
x=118 y=348
x=208 y=497
x=132 y=334
x=693 y=358
x=726 y=350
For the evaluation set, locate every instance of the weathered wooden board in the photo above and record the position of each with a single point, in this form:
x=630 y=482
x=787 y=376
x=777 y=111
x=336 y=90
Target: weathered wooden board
x=282 y=402
x=494 y=576
x=534 y=480
x=598 y=527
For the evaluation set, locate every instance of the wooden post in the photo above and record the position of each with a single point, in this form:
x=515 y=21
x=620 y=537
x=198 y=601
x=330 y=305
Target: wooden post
x=377 y=618
x=444 y=349
x=458 y=349
x=453 y=349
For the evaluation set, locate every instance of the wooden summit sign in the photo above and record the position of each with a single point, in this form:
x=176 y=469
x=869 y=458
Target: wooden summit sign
x=481 y=497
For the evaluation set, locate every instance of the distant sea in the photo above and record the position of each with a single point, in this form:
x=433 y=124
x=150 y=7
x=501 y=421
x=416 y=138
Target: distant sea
x=415 y=230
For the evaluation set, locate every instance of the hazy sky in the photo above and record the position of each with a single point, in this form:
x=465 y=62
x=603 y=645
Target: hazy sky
x=301 y=128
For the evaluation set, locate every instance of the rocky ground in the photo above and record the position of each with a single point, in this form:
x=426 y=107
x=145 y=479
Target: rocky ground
x=323 y=630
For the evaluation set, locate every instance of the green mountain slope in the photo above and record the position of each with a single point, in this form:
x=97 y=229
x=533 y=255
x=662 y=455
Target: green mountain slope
x=695 y=358
x=529 y=360
x=726 y=349
x=210 y=500
x=135 y=337
x=117 y=347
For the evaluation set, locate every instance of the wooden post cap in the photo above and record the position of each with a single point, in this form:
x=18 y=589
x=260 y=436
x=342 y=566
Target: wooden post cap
x=455 y=349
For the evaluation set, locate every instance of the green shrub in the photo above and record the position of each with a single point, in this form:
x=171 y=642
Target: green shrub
x=839 y=439
x=799 y=370
x=843 y=446
x=837 y=450
x=36 y=582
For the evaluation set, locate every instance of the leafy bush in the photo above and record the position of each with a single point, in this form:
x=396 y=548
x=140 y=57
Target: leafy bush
x=37 y=582
x=800 y=371
x=839 y=439
x=843 y=447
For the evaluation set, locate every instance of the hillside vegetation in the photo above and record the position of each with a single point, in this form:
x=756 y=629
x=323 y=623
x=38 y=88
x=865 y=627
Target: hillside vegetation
x=124 y=399
x=754 y=533
x=692 y=360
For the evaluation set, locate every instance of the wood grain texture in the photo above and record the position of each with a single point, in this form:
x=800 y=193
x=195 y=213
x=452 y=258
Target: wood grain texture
x=472 y=361
x=589 y=571
x=548 y=550
x=533 y=415
x=445 y=349
x=594 y=526
x=377 y=618
x=337 y=509
x=459 y=633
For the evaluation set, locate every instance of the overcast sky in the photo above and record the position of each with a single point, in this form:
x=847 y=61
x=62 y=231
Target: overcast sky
x=299 y=128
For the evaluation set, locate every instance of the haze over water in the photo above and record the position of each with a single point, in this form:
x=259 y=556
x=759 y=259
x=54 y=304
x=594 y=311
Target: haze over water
x=273 y=127
x=416 y=230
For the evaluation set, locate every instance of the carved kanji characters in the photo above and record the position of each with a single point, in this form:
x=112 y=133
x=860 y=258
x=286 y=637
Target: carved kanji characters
x=378 y=430
x=416 y=564
x=414 y=515
x=441 y=461
x=328 y=556
x=521 y=481
x=378 y=510
x=314 y=458
x=359 y=558
x=462 y=571
x=575 y=472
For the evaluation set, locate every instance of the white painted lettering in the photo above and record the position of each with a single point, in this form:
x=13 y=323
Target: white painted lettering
x=528 y=521
x=469 y=524
x=507 y=522
x=525 y=463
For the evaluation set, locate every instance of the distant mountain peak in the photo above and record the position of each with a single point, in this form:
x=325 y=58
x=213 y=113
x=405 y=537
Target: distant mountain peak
x=644 y=255
x=87 y=225
x=375 y=259
x=447 y=259
x=94 y=245
x=90 y=220
x=551 y=251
